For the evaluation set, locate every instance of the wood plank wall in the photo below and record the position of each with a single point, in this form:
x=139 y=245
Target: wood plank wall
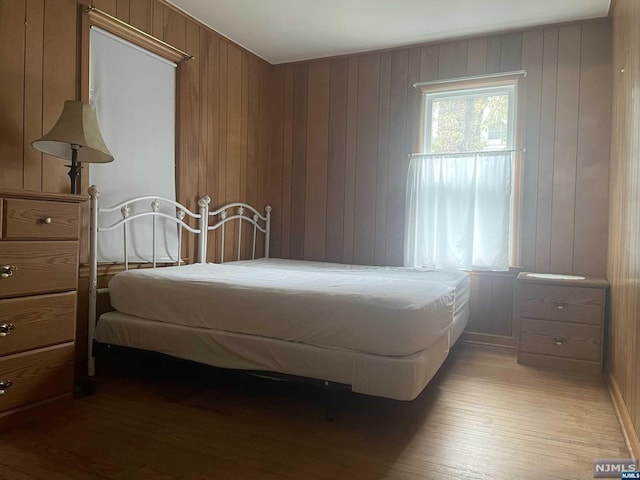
x=346 y=125
x=223 y=100
x=623 y=268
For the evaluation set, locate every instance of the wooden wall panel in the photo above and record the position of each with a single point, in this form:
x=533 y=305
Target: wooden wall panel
x=287 y=156
x=366 y=159
x=203 y=111
x=373 y=125
x=494 y=50
x=298 y=160
x=398 y=128
x=157 y=20
x=491 y=304
x=33 y=54
x=212 y=129
x=122 y=10
x=532 y=57
x=107 y=6
x=219 y=196
x=477 y=56
x=452 y=59
x=336 y=162
x=317 y=159
x=511 y=52
x=264 y=139
x=12 y=37
x=188 y=113
x=244 y=133
x=234 y=141
x=547 y=142
x=592 y=175
x=382 y=169
x=350 y=168
x=276 y=166
x=140 y=14
x=623 y=260
x=175 y=26
x=565 y=149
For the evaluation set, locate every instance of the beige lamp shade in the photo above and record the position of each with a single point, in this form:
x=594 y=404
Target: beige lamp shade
x=77 y=125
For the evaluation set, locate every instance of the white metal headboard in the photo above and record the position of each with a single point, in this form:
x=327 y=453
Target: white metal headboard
x=243 y=213
x=127 y=218
x=240 y=211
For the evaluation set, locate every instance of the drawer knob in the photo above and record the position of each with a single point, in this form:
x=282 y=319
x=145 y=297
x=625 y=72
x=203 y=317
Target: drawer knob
x=4 y=386
x=47 y=221
x=559 y=340
x=6 y=271
x=560 y=305
x=5 y=329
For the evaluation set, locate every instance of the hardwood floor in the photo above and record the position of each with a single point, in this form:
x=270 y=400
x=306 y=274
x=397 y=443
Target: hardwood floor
x=483 y=416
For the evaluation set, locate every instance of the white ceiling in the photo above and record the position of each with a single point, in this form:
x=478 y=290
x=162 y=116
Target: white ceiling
x=283 y=31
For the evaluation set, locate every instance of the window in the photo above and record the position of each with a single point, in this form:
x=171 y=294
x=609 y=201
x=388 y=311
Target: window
x=131 y=79
x=136 y=113
x=460 y=192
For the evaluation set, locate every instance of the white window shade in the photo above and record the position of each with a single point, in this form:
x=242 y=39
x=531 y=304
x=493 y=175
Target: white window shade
x=133 y=91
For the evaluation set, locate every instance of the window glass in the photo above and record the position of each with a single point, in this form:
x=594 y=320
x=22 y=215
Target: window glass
x=469 y=120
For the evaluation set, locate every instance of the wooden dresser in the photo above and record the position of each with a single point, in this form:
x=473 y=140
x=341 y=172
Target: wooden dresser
x=561 y=322
x=38 y=282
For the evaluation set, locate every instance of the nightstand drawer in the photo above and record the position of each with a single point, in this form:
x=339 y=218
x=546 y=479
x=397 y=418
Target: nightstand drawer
x=33 y=322
x=561 y=339
x=566 y=304
x=35 y=376
x=35 y=219
x=40 y=267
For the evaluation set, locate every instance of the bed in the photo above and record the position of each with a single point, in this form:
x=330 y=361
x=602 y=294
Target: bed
x=382 y=331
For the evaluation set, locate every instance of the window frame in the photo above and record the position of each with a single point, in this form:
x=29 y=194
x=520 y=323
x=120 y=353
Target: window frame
x=487 y=81
x=92 y=16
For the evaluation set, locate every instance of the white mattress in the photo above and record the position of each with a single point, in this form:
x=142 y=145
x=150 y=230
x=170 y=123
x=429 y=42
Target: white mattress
x=384 y=311
x=453 y=278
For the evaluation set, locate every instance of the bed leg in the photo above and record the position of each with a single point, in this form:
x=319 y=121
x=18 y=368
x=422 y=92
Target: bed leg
x=85 y=387
x=332 y=401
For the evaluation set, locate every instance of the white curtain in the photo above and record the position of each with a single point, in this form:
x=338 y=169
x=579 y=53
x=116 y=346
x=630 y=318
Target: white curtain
x=459 y=211
x=133 y=91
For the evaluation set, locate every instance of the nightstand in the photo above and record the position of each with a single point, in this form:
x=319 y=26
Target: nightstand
x=561 y=321
x=38 y=282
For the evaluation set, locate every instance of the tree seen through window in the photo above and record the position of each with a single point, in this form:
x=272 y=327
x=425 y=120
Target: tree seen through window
x=469 y=123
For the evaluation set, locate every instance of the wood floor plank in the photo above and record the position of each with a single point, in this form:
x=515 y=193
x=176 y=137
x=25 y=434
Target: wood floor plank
x=482 y=416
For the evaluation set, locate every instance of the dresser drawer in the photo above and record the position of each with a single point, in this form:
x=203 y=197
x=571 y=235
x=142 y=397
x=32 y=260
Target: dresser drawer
x=34 y=219
x=583 y=342
x=36 y=375
x=41 y=267
x=567 y=304
x=33 y=322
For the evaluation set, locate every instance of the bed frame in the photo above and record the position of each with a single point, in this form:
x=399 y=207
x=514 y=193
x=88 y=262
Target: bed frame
x=239 y=211
x=422 y=362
